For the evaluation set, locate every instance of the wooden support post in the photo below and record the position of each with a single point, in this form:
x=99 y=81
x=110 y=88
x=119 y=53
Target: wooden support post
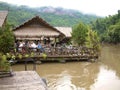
x=40 y=40
x=34 y=63
x=25 y=65
x=55 y=43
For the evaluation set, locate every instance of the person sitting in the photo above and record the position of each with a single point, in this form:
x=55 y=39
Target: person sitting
x=40 y=48
x=21 y=44
x=33 y=46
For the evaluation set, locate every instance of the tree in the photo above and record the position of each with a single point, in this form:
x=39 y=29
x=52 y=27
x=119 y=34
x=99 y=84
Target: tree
x=93 y=40
x=79 y=34
x=6 y=39
x=114 y=33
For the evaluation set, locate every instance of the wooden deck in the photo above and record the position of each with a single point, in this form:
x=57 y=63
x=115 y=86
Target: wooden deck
x=23 y=80
x=57 y=54
x=59 y=58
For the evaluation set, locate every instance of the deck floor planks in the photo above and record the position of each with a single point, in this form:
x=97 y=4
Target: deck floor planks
x=23 y=80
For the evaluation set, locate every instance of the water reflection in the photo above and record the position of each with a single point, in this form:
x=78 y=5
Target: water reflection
x=106 y=80
x=71 y=76
x=110 y=56
x=63 y=82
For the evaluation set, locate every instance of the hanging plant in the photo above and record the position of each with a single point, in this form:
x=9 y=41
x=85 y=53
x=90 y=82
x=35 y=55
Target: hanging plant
x=32 y=54
x=44 y=56
x=20 y=56
x=26 y=55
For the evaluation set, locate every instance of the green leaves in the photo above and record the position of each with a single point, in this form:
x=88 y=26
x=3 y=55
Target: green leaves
x=108 y=28
x=44 y=55
x=84 y=36
x=4 y=64
x=79 y=34
x=93 y=40
x=114 y=33
x=6 y=39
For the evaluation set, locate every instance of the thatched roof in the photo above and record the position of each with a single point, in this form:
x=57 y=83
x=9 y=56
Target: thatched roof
x=3 y=15
x=36 y=28
x=36 y=32
x=65 y=30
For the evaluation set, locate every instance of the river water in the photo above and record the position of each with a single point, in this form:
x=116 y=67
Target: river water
x=101 y=75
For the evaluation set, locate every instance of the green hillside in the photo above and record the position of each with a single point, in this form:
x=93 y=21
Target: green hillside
x=54 y=16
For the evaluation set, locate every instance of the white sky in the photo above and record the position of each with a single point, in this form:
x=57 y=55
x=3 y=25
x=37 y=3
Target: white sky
x=97 y=7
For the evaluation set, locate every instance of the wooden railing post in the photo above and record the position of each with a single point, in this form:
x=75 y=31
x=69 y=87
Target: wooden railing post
x=25 y=65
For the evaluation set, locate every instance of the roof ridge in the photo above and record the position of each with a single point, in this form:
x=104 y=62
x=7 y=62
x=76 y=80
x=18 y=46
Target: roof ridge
x=40 y=19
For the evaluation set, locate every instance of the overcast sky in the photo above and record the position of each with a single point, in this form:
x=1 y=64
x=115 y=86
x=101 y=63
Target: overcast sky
x=97 y=7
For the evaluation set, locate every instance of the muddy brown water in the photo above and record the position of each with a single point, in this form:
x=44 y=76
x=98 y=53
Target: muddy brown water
x=101 y=75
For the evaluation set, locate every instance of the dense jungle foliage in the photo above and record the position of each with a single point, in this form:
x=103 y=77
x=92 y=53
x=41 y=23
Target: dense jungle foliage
x=108 y=28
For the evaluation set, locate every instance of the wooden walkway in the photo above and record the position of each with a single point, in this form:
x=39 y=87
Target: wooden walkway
x=23 y=80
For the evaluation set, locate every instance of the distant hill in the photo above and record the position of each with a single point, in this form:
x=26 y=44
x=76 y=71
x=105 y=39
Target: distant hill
x=54 y=16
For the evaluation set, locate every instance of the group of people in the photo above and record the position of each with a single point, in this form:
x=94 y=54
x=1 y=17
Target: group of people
x=23 y=46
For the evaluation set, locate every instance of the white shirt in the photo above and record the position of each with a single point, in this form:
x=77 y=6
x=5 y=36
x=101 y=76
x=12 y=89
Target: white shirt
x=33 y=45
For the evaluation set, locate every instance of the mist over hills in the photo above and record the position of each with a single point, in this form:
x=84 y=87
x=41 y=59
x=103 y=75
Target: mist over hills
x=54 y=16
